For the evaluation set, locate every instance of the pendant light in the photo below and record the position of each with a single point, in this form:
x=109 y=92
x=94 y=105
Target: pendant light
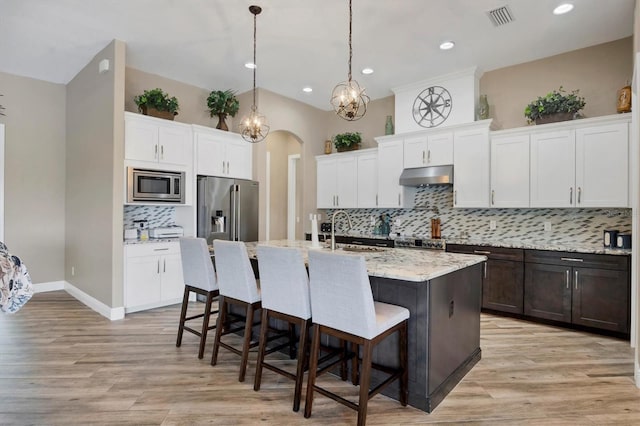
x=348 y=99
x=254 y=126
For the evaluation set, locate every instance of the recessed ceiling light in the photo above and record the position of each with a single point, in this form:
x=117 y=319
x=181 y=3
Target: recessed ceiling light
x=367 y=71
x=250 y=65
x=307 y=89
x=447 y=45
x=563 y=8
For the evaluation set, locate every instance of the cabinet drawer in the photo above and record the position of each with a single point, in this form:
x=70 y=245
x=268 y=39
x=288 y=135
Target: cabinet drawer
x=151 y=249
x=494 y=253
x=583 y=260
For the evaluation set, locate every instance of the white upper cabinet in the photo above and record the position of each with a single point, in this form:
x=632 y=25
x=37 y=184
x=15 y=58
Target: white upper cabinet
x=220 y=153
x=471 y=167
x=337 y=178
x=367 y=179
x=157 y=141
x=390 y=166
x=553 y=169
x=510 y=171
x=428 y=149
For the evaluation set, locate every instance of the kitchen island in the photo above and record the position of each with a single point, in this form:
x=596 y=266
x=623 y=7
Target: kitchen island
x=442 y=292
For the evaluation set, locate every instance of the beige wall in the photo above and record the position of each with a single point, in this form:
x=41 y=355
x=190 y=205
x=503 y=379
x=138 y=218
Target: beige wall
x=95 y=147
x=34 y=174
x=598 y=71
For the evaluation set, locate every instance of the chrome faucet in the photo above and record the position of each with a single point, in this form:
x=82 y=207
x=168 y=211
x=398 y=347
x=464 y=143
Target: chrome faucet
x=333 y=226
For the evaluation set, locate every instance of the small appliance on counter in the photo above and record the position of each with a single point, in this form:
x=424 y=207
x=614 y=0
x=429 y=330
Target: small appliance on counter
x=610 y=238
x=623 y=241
x=131 y=234
x=142 y=225
x=166 y=232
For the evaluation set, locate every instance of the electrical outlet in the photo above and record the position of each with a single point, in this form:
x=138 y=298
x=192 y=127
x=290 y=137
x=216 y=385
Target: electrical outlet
x=73 y=271
x=547 y=226
x=397 y=222
x=492 y=224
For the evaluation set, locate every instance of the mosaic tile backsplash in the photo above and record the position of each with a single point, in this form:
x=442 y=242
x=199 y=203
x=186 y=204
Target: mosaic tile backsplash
x=569 y=225
x=156 y=215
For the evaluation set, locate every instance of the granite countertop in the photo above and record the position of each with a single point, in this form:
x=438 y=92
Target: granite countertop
x=152 y=240
x=396 y=263
x=540 y=244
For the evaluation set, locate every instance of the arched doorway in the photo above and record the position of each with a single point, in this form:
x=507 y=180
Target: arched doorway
x=283 y=186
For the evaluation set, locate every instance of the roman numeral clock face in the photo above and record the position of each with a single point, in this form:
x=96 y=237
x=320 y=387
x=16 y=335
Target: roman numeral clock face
x=432 y=106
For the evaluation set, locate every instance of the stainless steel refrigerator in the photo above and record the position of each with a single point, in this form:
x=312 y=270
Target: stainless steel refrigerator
x=227 y=209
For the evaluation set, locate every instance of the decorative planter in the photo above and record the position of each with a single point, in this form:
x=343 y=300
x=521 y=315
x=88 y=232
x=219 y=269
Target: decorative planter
x=167 y=115
x=347 y=148
x=222 y=124
x=554 y=118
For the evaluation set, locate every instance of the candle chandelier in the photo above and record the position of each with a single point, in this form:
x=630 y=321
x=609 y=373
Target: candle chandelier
x=254 y=127
x=348 y=99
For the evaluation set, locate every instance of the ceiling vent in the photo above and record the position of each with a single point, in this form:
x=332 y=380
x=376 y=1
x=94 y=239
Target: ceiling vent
x=500 y=16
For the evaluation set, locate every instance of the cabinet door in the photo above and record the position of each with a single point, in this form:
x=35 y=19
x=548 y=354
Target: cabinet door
x=509 y=171
x=141 y=140
x=602 y=172
x=326 y=183
x=347 y=182
x=390 y=165
x=415 y=152
x=367 y=196
x=439 y=149
x=601 y=299
x=471 y=168
x=553 y=169
x=239 y=160
x=547 y=291
x=142 y=281
x=174 y=145
x=502 y=288
x=172 y=281
x=210 y=156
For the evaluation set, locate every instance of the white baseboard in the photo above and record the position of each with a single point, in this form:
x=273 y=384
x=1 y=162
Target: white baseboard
x=48 y=286
x=93 y=303
x=637 y=375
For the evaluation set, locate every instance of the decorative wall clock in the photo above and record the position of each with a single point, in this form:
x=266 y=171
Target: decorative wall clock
x=432 y=106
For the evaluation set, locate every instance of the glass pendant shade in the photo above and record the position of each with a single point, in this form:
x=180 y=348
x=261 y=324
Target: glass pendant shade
x=349 y=100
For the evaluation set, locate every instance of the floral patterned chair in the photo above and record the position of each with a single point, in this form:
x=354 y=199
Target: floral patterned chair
x=15 y=283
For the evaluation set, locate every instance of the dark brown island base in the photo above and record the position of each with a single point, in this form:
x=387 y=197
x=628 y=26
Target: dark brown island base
x=443 y=294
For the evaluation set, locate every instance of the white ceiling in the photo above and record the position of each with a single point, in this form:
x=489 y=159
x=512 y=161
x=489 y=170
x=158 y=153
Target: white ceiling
x=300 y=42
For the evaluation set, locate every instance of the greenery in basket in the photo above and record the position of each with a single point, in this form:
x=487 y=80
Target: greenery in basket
x=157 y=99
x=223 y=102
x=556 y=101
x=347 y=140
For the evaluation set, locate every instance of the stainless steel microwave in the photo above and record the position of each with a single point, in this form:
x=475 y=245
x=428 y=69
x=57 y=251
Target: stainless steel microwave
x=154 y=186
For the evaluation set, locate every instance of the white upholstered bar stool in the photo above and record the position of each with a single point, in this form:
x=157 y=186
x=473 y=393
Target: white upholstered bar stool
x=284 y=286
x=238 y=286
x=343 y=306
x=200 y=278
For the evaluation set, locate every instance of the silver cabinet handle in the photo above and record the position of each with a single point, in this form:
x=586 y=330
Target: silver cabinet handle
x=399 y=202
x=376 y=200
x=155 y=153
x=493 y=197
x=161 y=249
x=485 y=270
x=223 y=172
x=579 y=194
x=567 y=278
x=162 y=152
x=158 y=271
x=571 y=195
x=423 y=155
x=337 y=200
x=572 y=259
x=486 y=253
x=428 y=156
x=576 y=278
x=164 y=267
x=228 y=167
x=455 y=197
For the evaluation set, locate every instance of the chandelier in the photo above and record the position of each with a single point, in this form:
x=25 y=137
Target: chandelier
x=348 y=99
x=254 y=127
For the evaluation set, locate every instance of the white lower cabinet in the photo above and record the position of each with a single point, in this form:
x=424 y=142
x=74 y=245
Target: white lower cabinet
x=152 y=275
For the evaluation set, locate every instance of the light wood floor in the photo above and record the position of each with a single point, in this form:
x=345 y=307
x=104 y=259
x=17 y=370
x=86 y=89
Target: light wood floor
x=61 y=363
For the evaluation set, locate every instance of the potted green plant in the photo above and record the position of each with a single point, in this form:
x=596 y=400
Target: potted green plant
x=557 y=105
x=347 y=141
x=157 y=104
x=222 y=103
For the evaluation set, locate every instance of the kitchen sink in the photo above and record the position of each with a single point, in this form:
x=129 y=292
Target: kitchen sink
x=365 y=249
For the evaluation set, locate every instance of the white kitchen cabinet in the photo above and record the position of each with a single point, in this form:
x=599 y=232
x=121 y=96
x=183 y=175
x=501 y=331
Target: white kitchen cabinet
x=553 y=169
x=153 y=275
x=510 y=170
x=390 y=166
x=428 y=149
x=367 y=185
x=222 y=154
x=471 y=167
x=157 y=141
x=337 y=181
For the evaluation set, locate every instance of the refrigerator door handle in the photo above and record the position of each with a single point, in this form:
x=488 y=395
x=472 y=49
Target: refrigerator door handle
x=238 y=210
x=235 y=213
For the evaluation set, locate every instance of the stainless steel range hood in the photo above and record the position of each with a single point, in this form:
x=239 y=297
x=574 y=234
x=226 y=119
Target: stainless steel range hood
x=423 y=176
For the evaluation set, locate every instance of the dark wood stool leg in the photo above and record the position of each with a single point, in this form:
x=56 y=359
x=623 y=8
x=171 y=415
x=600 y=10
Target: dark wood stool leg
x=292 y=340
x=404 y=364
x=205 y=324
x=365 y=380
x=183 y=315
x=264 y=331
x=246 y=342
x=355 y=367
x=222 y=317
x=343 y=365
x=302 y=360
x=313 y=367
